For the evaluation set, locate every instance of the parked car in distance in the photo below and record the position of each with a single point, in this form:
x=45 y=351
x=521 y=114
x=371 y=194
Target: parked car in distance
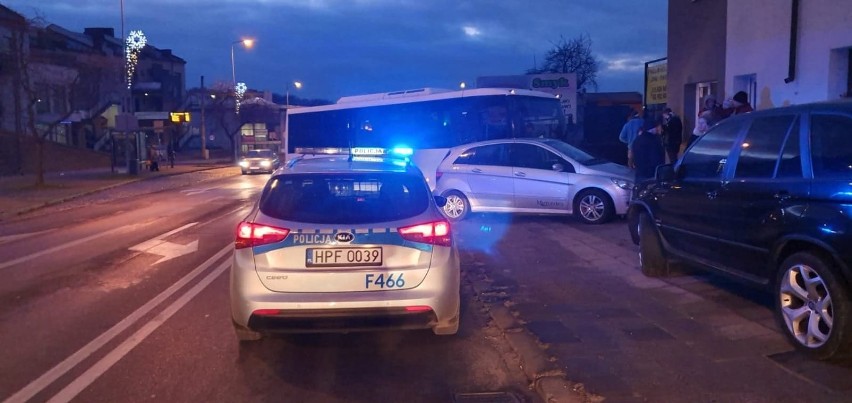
x=542 y=176
x=339 y=244
x=766 y=198
x=266 y=161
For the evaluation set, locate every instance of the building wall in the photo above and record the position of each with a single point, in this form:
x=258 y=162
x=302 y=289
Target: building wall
x=696 y=53
x=759 y=46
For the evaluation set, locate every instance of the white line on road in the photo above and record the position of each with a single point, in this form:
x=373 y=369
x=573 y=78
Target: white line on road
x=93 y=373
x=75 y=359
x=60 y=247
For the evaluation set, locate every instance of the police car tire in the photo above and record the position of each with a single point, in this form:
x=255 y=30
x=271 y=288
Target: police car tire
x=246 y=334
x=464 y=201
x=652 y=259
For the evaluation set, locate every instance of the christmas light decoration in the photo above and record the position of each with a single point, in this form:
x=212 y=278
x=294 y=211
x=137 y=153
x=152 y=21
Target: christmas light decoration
x=135 y=42
x=240 y=91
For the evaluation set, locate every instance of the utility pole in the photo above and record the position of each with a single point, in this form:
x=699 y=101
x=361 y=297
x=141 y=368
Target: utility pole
x=203 y=124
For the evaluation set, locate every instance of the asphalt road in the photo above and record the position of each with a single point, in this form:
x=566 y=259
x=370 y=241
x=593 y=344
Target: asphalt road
x=123 y=296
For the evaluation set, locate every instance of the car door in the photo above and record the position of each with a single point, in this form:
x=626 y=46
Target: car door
x=683 y=204
x=541 y=177
x=488 y=173
x=749 y=209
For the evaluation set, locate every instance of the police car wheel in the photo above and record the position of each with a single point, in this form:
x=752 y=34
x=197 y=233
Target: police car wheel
x=593 y=206
x=457 y=206
x=246 y=334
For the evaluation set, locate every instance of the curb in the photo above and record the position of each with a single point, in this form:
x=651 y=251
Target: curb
x=541 y=370
x=18 y=213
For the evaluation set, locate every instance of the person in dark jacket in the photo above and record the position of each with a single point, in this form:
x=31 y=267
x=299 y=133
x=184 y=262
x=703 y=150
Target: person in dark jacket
x=648 y=150
x=672 y=134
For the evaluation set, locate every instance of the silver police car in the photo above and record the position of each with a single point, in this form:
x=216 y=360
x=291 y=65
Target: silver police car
x=339 y=244
x=532 y=176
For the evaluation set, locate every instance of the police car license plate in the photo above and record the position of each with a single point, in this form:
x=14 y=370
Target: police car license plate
x=332 y=257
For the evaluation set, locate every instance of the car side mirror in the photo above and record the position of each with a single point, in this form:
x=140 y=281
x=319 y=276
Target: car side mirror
x=558 y=167
x=441 y=201
x=665 y=173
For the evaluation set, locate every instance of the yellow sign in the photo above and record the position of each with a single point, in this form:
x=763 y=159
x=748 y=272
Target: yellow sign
x=179 y=117
x=656 y=84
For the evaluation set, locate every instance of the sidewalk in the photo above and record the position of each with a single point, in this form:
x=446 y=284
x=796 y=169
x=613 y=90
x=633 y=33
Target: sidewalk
x=19 y=195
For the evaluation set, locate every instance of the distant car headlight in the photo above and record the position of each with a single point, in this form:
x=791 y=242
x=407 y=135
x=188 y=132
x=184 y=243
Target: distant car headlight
x=624 y=184
x=266 y=164
x=244 y=164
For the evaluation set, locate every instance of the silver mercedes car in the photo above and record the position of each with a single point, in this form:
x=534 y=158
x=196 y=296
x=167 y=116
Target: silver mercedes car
x=345 y=244
x=532 y=176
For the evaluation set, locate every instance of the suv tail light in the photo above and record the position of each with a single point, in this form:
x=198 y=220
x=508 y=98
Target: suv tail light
x=250 y=234
x=435 y=233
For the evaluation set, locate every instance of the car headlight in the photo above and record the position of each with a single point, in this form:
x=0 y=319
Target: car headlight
x=266 y=164
x=244 y=164
x=622 y=183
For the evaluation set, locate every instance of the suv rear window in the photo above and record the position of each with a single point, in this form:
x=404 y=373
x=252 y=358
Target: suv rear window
x=831 y=145
x=350 y=198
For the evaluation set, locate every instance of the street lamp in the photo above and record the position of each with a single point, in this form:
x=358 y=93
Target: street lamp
x=248 y=43
x=296 y=84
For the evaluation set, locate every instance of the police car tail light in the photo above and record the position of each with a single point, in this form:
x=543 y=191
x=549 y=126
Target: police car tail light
x=438 y=175
x=436 y=233
x=250 y=234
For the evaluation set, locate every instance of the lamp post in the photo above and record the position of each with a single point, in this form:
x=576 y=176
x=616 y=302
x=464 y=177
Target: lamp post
x=296 y=84
x=248 y=43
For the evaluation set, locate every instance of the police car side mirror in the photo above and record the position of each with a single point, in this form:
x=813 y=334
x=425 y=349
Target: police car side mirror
x=558 y=167
x=441 y=201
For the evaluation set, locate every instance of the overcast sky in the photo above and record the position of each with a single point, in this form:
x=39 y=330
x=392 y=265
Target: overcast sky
x=349 y=47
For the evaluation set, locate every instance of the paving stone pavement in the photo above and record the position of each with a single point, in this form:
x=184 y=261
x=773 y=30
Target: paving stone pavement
x=613 y=334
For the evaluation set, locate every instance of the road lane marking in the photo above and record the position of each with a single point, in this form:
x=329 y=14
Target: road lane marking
x=75 y=359
x=60 y=247
x=10 y=238
x=168 y=250
x=104 y=364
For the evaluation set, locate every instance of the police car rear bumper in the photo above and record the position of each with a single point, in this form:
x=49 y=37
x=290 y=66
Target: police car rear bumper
x=342 y=320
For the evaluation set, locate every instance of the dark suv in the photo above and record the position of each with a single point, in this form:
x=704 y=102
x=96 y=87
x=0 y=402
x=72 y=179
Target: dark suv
x=764 y=197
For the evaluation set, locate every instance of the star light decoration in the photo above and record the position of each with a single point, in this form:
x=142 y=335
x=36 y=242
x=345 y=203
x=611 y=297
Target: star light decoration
x=133 y=46
x=240 y=91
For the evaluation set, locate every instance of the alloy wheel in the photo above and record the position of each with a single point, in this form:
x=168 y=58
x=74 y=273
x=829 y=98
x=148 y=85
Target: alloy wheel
x=592 y=207
x=455 y=206
x=806 y=306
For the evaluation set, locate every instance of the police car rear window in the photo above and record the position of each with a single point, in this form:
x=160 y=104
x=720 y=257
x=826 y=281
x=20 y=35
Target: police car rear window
x=351 y=198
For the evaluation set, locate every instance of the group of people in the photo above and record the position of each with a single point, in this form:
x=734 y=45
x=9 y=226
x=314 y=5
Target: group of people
x=650 y=142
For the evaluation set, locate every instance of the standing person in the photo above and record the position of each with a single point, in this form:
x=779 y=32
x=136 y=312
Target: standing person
x=701 y=127
x=672 y=134
x=648 y=150
x=153 y=159
x=712 y=111
x=629 y=132
x=171 y=152
x=738 y=105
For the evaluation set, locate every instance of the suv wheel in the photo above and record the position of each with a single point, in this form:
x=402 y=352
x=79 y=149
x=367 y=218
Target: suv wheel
x=593 y=206
x=652 y=258
x=813 y=307
x=457 y=206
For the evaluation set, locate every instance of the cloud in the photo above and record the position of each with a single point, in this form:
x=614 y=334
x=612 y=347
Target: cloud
x=625 y=62
x=471 y=32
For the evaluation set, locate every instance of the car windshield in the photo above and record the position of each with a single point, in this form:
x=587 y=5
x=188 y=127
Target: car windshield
x=345 y=198
x=575 y=153
x=260 y=154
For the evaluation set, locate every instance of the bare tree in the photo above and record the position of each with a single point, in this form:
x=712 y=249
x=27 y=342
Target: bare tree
x=224 y=112
x=572 y=56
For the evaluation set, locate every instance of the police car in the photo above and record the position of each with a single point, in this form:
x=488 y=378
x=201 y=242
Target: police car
x=349 y=243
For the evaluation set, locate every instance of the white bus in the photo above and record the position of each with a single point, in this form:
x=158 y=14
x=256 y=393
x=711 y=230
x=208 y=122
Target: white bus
x=428 y=121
